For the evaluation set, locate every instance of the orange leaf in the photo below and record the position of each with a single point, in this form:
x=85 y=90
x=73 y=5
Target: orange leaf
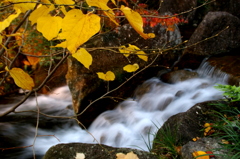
x=200 y=153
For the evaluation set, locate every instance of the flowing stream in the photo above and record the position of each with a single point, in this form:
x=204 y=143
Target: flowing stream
x=131 y=124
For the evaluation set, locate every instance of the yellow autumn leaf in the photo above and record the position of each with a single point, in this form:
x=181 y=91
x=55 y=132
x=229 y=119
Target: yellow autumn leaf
x=69 y=22
x=4 y=24
x=84 y=28
x=65 y=2
x=132 y=49
x=124 y=50
x=140 y=54
x=129 y=155
x=109 y=76
x=131 y=68
x=103 y=5
x=21 y=78
x=1 y=39
x=24 y=6
x=70 y=3
x=84 y=57
x=114 y=2
x=135 y=20
x=39 y=12
x=49 y=26
x=199 y=153
x=46 y=2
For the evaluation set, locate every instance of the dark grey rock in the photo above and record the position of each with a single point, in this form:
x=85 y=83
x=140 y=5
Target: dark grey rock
x=230 y=6
x=187 y=125
x=221 y=29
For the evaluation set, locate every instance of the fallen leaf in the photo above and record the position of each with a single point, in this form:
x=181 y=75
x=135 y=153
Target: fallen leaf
x=199 y=153
x=80 y=156
x=129 y=155
x=211 y=153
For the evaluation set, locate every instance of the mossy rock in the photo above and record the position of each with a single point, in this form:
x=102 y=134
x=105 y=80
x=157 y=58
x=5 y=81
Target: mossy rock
x=91 y=151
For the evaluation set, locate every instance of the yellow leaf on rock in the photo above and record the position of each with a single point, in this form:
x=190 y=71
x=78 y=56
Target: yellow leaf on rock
x=103 y=5
x=131 y=68
x=199 y=153
x=39 y=12
x=109 y=76
x=136 y=21
x=49 y=26
x=129 y=155
x=4 y=24
x=84 y=57
x=21 y=78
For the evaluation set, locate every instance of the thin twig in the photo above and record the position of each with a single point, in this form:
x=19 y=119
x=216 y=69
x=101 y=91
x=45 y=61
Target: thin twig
x=36 y=128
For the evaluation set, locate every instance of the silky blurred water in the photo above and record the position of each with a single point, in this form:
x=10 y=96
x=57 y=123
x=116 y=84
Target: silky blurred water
x=129 y=125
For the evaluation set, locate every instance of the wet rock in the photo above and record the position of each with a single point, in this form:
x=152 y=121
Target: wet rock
x=228 y=64
x=204 y=144
x=187 y=125
x=217 y=33
x=85 y=85
x=178 y=75
x=91 y=151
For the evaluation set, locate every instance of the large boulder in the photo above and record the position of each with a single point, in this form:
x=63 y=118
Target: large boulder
x=230 y=6
x=217 y=33
x=84 y=83
x=187 y=125
x=91 y=151
x=179 y=6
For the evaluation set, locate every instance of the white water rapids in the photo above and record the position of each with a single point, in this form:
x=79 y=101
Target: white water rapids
x=131 y=123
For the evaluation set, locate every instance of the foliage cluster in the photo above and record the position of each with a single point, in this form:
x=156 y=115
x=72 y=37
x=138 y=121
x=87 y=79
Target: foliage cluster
x=66 y=25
